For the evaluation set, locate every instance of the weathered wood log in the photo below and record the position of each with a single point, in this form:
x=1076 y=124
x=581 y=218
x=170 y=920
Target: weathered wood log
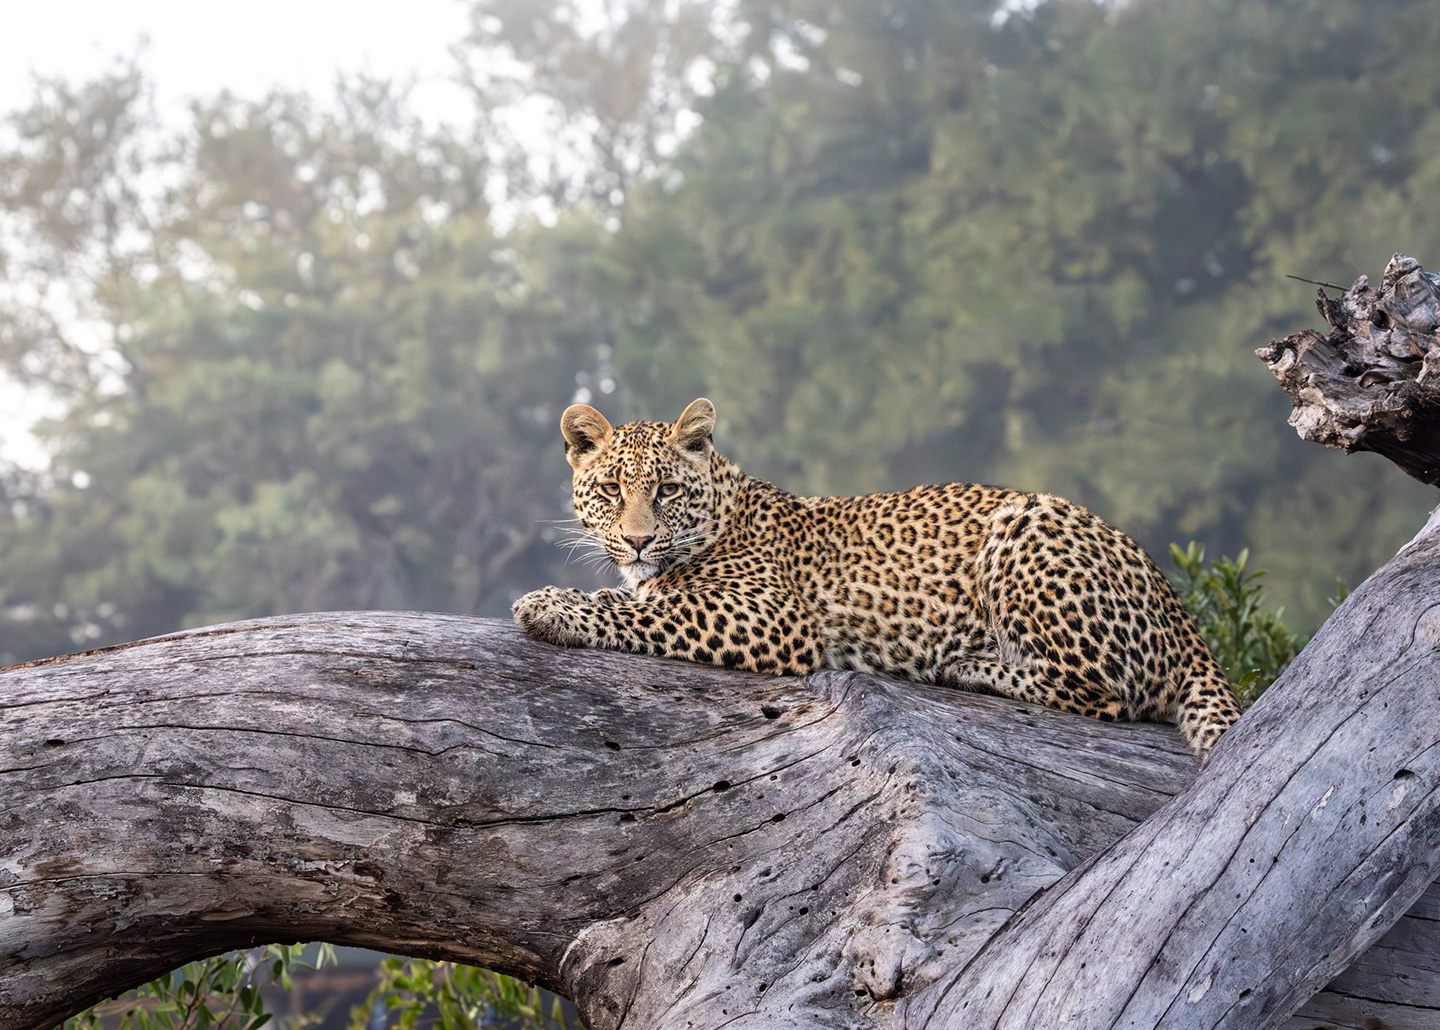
x=1395 y=985
x=1373 y=383
x=676 y=846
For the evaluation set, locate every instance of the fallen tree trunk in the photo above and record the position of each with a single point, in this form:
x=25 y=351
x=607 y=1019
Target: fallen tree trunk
x=676 y=846
x=663 y=842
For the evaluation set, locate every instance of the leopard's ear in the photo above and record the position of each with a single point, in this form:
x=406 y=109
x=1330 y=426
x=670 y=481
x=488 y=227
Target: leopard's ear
x=585 y=431
x=691 y=431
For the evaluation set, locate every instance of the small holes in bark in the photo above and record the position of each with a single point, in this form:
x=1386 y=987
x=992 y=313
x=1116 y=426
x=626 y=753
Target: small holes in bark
x=617 y=961
x=721 y=786
x=628 y=817
x=739 y=898
x=1403 y=774
x=770 y=711
x=612 y=745
x=778 y=817
x=54 y=742
x=804 y=910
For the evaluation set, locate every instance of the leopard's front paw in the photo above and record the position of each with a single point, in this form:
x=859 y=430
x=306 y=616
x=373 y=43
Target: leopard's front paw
x=552 y=614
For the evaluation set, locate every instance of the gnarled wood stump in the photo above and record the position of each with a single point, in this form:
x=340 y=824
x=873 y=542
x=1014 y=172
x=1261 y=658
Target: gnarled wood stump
x=1372 y=383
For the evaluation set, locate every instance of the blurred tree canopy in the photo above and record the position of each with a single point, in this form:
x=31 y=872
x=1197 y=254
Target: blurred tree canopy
x=321 y=379
x=312 y=355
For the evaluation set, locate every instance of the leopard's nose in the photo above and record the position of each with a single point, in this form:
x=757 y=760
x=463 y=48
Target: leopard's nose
x=639 y=542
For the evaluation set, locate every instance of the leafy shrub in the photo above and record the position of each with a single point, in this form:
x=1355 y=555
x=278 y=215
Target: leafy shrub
x=454 y=997
x=1252 y=644
x=222 y=992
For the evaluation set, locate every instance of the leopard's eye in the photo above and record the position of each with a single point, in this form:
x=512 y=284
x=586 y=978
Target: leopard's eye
x=610 y=490
x=665 y=491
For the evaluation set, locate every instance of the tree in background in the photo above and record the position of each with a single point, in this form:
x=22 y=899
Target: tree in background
x=312 y=356
x=916 y=241
x=323 y=380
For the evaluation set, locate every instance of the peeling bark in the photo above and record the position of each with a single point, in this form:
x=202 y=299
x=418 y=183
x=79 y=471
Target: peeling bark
x=672 y=845
x=1373 y=383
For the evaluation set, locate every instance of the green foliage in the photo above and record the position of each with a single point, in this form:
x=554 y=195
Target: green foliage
x=454 y=997
x=221 y=992
x=325 y=380
x=1249 y=640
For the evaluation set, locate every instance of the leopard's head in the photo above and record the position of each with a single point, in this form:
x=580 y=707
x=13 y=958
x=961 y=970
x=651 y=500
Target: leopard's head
x=644 y=490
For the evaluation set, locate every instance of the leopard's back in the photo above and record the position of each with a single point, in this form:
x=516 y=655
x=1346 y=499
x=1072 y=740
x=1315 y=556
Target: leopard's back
x=900 y=587
x=1024 y=594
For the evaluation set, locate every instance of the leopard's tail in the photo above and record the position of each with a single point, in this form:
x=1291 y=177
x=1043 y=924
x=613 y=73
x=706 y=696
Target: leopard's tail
x=1206 y=706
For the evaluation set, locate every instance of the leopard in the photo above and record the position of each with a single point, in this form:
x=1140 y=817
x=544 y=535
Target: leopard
x=1021 y=594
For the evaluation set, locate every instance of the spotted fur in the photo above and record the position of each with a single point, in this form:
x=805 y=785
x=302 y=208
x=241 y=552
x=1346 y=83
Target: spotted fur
x=1025 y=595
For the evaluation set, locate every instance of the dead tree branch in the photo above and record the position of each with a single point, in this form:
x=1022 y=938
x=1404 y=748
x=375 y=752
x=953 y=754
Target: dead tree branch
x=1372 y=384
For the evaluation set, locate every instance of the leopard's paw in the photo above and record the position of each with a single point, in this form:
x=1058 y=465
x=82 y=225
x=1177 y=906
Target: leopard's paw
x=552 y=614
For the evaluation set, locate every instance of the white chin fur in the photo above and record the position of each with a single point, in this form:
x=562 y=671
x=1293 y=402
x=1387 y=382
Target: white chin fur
x=637 y=572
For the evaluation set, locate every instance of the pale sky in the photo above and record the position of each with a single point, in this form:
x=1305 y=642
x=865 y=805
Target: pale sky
x=190 y=48
x=198 y=47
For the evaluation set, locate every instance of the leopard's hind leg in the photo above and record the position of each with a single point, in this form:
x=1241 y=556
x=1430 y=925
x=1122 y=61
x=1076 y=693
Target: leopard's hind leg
x=1036 y=684
x=1092 y=624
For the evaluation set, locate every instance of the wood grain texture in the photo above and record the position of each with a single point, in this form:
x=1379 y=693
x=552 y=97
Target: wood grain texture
x=677 y=846
x=1394 y=985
